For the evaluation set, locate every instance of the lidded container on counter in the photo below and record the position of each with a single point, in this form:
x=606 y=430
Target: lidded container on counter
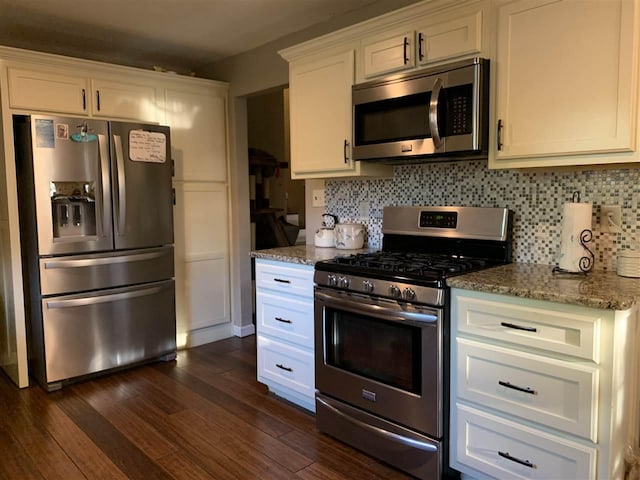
x=628 y=263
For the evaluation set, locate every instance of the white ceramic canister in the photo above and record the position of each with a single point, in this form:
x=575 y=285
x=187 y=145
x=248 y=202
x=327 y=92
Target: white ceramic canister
x=628 y=263
x=349 y=236
x=325 y=237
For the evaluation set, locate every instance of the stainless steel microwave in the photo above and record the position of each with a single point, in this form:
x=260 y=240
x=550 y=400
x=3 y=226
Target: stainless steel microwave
x=438 y=113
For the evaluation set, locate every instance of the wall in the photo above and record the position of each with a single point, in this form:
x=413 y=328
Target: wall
x=536 y=196
x=252 y=72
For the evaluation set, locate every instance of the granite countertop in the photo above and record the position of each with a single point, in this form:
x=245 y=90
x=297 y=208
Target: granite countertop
x=304 y=254
x=598 y=289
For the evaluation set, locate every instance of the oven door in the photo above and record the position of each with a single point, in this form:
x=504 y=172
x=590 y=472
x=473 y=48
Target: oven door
x=382 y=356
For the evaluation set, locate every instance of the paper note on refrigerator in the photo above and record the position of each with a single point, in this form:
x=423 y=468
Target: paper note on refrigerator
x=147 y=146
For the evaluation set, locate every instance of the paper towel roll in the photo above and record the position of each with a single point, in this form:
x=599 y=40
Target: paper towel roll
x=576 y=217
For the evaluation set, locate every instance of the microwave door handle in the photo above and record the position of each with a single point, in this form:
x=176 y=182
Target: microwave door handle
x=433 y=113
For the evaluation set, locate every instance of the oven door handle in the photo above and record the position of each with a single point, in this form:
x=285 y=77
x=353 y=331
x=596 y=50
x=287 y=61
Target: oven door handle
x=365 y=306
x=379 y=431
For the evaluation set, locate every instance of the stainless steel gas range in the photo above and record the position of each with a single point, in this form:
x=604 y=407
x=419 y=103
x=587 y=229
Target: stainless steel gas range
x=382 y=332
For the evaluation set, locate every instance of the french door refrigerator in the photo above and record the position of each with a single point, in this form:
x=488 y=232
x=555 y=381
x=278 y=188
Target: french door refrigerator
x=96 y=226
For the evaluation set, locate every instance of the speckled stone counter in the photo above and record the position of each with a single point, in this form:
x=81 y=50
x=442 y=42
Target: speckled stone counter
x=304 y=254
x=596 y=289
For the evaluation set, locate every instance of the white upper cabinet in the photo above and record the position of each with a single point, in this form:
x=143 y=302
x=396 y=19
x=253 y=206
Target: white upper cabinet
x=442 y=39
x=194 y=115
x=48 y=91
x=565 y=81
x=69 y=91
x=389 y=55
x=113 y=99
x=320 y=112
x=449 y=34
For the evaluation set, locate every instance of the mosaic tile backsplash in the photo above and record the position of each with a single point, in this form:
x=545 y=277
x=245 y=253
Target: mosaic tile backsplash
x=536 y=197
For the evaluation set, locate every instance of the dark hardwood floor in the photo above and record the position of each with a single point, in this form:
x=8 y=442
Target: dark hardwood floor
x=203 y=416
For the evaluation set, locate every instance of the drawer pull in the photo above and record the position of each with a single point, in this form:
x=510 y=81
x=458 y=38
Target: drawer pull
x=515 y=387
x=282 y=367
x=280 y=280
x=518 y=327
x=526 y=463
x=283 y=320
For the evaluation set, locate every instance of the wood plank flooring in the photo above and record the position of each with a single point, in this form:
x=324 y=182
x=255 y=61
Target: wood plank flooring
x=203 y=416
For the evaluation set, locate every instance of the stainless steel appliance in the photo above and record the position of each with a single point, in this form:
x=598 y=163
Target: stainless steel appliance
x=382 y=332
x=432 y=114
x=96 y=230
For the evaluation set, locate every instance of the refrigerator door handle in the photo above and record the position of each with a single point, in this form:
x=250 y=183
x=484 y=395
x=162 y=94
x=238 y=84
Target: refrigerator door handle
x=104 y=153
x=122 y=193
x=93 y=262
x=94 y=300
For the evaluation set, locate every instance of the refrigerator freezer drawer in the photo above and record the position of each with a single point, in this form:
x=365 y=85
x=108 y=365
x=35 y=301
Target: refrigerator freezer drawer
x=89 y=333
x=80 y=273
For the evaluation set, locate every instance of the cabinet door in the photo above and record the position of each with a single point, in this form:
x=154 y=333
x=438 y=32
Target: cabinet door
x=320 y=110
x=50 y=92
x=124 y=100
x=450 y=39
x=565 y=78
x=202 y=256
x=198 y=122
x=389 y=55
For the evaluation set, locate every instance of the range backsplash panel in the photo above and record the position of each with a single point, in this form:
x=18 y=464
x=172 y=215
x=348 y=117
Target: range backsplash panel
x=536 y=196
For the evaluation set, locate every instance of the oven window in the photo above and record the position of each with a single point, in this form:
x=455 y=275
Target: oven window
x=385 y=351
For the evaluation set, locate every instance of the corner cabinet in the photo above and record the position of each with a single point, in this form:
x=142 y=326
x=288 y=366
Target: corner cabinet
x=539 y=389
x=565 y=82
x=320 y=119
x=284 y=326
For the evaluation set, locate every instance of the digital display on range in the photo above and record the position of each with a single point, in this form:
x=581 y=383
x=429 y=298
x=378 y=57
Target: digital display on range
x=438 y=219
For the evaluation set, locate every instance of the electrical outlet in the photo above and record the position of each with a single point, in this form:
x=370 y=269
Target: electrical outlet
x=317 y=198
x=610 y=218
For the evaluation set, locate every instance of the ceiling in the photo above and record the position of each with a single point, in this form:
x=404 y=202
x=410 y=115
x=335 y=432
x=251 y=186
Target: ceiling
x=180 y=35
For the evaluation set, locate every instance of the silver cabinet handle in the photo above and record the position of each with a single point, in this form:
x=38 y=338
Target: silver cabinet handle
x=81 y=302
x=420 y=50
x=405 y=44
x=526 y=463
x=433 y=113
x=344 y=150
x=499 y=136
x=122 y=188
x=516 y=387
x=93 y=262
x=283 y=320
x=518 y=327
x=379 y=431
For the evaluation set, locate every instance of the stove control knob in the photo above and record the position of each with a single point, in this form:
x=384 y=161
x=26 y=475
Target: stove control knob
x=343 y=282
x=408 y=294
x=367 y=286
x=332 y=280
x=394 y=291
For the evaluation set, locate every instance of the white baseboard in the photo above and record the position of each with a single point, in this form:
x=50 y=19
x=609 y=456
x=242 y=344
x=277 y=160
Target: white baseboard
x=244 y=331
x=208 y=335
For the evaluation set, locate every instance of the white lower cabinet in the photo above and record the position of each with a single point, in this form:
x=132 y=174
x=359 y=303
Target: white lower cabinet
x=284 y=326
x=540 y=390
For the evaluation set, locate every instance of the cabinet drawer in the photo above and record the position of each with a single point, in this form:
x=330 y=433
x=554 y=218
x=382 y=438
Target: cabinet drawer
x=532 y=325
x=286 y=318
x=505 y=450
x=288 y=366
x=544 y=390
x=281 y=277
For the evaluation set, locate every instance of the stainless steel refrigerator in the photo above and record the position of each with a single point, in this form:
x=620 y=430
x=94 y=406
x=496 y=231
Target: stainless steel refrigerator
x=96 y=227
